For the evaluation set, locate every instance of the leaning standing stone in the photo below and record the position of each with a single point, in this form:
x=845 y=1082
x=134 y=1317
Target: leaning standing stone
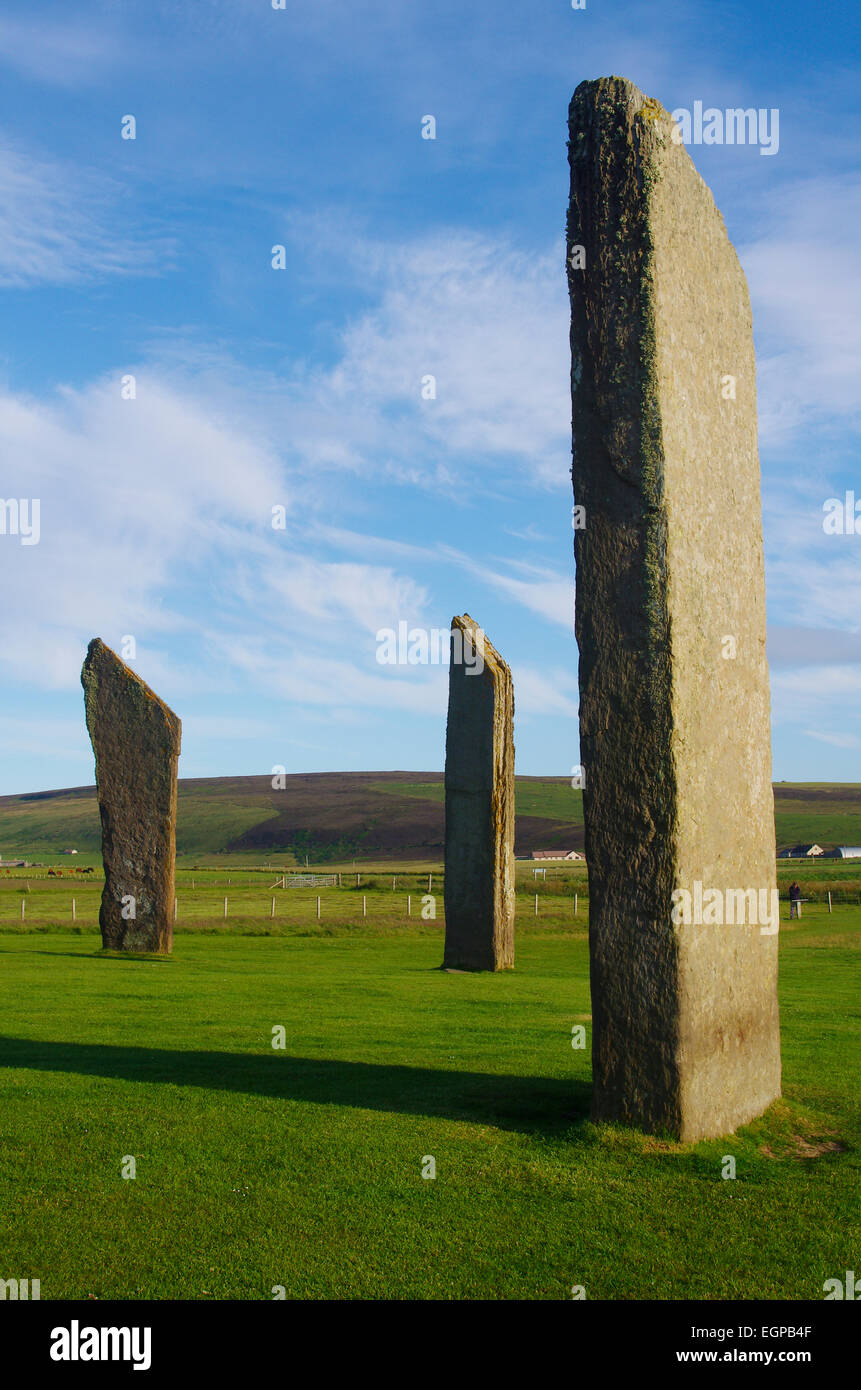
x=670 y=617
x=136 y=741
x=479 y=805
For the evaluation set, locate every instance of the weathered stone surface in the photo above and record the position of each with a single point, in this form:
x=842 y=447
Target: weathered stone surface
x=479 y=805
x=674 y=733
x=136 y=741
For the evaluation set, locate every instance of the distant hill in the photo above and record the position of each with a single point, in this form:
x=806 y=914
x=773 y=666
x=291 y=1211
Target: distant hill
x=366 y=815
x=326 y=815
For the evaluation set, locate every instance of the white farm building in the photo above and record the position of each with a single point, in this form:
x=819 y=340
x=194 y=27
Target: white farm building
x=557 y=854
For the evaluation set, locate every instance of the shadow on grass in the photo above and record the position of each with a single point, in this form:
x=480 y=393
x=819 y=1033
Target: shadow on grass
x=135 y=957
x=528 y=1104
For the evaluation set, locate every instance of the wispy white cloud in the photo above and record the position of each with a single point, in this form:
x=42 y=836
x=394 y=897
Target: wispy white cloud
x=157 y=509
x=325 y=594
x=546 y=692
x=836 y=740
x=156 y=523
x=63 y=225
x=329 y=678
x=540 y=590
x=64 y=53
x=487 y=322
x=137 y=498
x=819 y=696
x=804 y=271
x=550 y=596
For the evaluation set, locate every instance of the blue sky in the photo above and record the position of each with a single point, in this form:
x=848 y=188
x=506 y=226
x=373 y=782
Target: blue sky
x=302 y=387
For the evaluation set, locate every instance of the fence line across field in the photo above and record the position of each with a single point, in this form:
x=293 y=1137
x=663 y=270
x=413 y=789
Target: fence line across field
x=840 y=897
x=272 y=902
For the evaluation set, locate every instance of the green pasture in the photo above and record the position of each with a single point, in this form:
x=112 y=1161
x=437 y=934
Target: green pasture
x=301 y=1167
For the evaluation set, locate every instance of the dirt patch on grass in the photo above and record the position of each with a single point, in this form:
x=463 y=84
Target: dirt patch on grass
x=806 y=1146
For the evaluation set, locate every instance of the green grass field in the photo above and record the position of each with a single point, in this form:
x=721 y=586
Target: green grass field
x=302 y=1167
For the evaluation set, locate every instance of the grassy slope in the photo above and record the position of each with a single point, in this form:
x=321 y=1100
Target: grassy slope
x=303 y=1168
x=826 y=814
x=341 y=816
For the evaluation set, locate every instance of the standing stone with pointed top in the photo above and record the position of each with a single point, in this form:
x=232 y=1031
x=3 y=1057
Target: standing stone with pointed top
x=479 y=805
x=136 y=741
x=674 y=717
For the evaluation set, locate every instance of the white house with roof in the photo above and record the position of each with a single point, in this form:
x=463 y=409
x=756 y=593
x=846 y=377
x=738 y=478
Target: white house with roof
x=557 y=854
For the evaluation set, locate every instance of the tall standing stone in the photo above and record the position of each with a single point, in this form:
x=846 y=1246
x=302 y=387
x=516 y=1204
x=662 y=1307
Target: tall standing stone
x=670 y=620
x=479 y=805
x=136 y=741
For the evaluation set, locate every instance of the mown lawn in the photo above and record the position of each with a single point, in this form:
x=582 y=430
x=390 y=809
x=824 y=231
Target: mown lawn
x=302 y=1167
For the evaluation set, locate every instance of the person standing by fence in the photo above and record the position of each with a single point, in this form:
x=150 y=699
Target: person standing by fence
x=794 y=900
